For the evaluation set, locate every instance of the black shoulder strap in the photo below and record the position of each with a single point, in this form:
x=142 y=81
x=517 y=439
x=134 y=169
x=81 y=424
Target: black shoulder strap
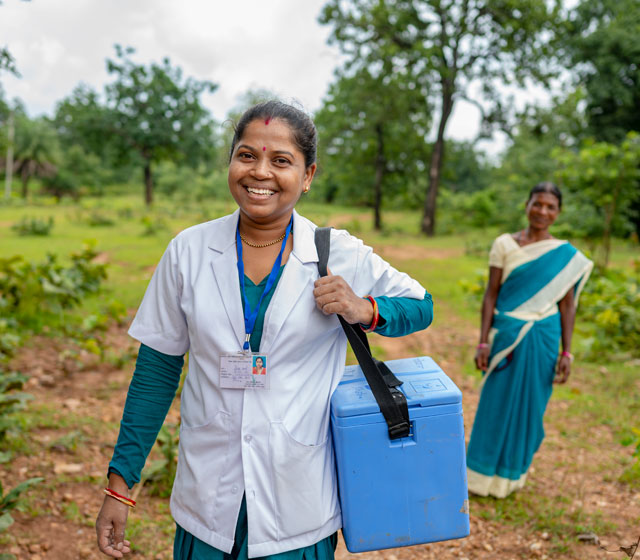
x=383 y=384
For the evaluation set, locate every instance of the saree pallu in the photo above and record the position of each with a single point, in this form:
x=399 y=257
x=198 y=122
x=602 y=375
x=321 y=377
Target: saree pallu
x=525 y=335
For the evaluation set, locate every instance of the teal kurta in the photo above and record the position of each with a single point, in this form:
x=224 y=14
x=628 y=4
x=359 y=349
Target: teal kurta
x=153 y=386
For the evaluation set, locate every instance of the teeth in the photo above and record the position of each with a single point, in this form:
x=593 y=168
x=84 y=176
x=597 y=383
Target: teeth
x=253 y=190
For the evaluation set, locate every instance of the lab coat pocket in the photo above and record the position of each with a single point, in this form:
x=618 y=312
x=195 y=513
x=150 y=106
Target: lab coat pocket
x=204 y=451
x=303 y=482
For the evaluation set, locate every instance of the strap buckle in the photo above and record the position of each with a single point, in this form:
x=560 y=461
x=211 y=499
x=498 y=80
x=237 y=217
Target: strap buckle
x=397 y=431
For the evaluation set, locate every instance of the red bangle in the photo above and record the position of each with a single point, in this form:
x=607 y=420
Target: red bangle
x=126 y=501
x=482 y=345
x=567 y=354
x=376 y=316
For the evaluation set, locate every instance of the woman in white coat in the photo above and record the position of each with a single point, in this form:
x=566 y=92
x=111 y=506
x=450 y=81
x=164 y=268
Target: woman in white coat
x=255 y=474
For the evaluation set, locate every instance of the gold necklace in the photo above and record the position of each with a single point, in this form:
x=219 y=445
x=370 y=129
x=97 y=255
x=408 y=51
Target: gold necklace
x=261 y=245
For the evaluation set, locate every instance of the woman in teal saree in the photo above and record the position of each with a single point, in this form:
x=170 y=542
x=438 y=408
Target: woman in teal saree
x=528 y=310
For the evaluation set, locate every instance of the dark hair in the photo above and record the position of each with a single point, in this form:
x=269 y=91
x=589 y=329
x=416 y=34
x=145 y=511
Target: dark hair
x=303 y=130
x=546 y=187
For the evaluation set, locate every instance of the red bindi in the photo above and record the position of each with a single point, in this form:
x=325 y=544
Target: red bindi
x=264 y=148
x=267 y=120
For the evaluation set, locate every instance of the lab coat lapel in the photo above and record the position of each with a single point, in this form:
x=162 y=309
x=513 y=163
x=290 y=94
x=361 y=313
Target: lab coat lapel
x=224 y=265
x=298 y=276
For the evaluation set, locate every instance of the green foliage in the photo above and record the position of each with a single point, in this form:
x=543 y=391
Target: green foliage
x=12 y=499
x=11 y=400
x=33 y=226
x=602 y=43
x=97 y=218
x=36 y=150
x=32 y=294
x=605 y=177
x=462 y=211
x=159 y=474
x=440 y=48
x=610 y=313
x=372 y=145
x=156 y=114
x=152 y=225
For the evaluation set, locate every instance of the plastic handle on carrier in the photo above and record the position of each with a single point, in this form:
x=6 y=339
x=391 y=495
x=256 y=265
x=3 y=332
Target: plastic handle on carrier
x=383 y=384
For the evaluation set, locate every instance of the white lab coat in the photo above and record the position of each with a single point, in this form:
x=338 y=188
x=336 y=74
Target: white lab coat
x=273 y=445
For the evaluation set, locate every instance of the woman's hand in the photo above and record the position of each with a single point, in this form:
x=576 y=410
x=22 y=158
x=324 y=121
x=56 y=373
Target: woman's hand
x=563 y=369
x=482 y=357
x=334 y=295
x=112 y=520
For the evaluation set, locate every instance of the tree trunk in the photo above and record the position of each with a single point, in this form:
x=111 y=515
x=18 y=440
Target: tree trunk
x=377 y=201
x=8 y=178
x=25 y=176
x=435 y=167
x=148 y=183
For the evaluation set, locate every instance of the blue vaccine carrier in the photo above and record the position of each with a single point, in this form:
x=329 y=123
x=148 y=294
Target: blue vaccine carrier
x=406 y=491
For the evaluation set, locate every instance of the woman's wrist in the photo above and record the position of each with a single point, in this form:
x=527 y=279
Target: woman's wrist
x=371 y=322
x=117 y=483
x=567 y=354
x=482 y=345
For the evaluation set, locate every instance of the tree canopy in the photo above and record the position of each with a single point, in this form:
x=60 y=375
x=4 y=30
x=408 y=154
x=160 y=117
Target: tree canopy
x=447 y=47
x=155 y=114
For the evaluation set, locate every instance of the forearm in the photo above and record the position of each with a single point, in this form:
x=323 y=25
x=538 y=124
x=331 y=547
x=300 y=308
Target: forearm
x=486 y=318
x=567 y=322
x=152 y=389
x=400 y=316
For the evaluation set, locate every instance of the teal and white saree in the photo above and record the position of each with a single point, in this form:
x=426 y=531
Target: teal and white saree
x=524 y=338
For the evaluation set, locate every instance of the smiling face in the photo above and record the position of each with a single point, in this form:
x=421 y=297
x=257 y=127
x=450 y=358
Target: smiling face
x=267 y=172
x=542 y=210
x=258 y=362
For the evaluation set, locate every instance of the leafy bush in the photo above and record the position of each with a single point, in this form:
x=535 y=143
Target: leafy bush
x=97 y=219
x=11 y=400
x=153 y=224
x=11 y=500
x=632 y=474
x=610 y=316
x=32 y=294
x=28 y=290
x=33 y=226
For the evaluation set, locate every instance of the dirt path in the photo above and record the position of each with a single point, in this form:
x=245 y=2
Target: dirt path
x=79 y=403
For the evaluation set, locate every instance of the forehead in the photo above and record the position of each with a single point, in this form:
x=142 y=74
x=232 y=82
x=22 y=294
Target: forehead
x=545 y=198
x=275 y=134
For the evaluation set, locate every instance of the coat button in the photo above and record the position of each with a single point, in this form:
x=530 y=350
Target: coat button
x=247 y=438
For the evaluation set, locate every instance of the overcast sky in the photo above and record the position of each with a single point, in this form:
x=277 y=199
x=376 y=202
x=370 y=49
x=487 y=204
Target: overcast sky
x=272 y=44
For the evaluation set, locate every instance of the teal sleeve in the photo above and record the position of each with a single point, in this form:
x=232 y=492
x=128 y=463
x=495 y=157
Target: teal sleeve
x=151 y=391
x=401 y=315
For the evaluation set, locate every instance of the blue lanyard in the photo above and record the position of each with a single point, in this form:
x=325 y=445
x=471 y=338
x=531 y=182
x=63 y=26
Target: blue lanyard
x=250 y=315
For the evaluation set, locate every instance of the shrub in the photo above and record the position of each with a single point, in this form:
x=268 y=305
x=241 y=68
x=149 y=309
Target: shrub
x=33 y=226
x=11 y=400
x=610 y=313
x=11 y=500
x=34 y=294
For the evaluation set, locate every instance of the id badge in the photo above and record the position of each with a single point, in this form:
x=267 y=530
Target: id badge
x=244 y=370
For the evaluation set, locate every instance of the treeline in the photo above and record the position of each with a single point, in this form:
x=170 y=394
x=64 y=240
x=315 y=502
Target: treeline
x=383 y=122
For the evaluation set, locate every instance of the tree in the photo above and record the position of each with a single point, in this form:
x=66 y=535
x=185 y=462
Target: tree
x=447 y=47
x=81 y=120
x=372 y=133
x=603 y=46
x=36 y=150
x=156 y=114
x=607 y=176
